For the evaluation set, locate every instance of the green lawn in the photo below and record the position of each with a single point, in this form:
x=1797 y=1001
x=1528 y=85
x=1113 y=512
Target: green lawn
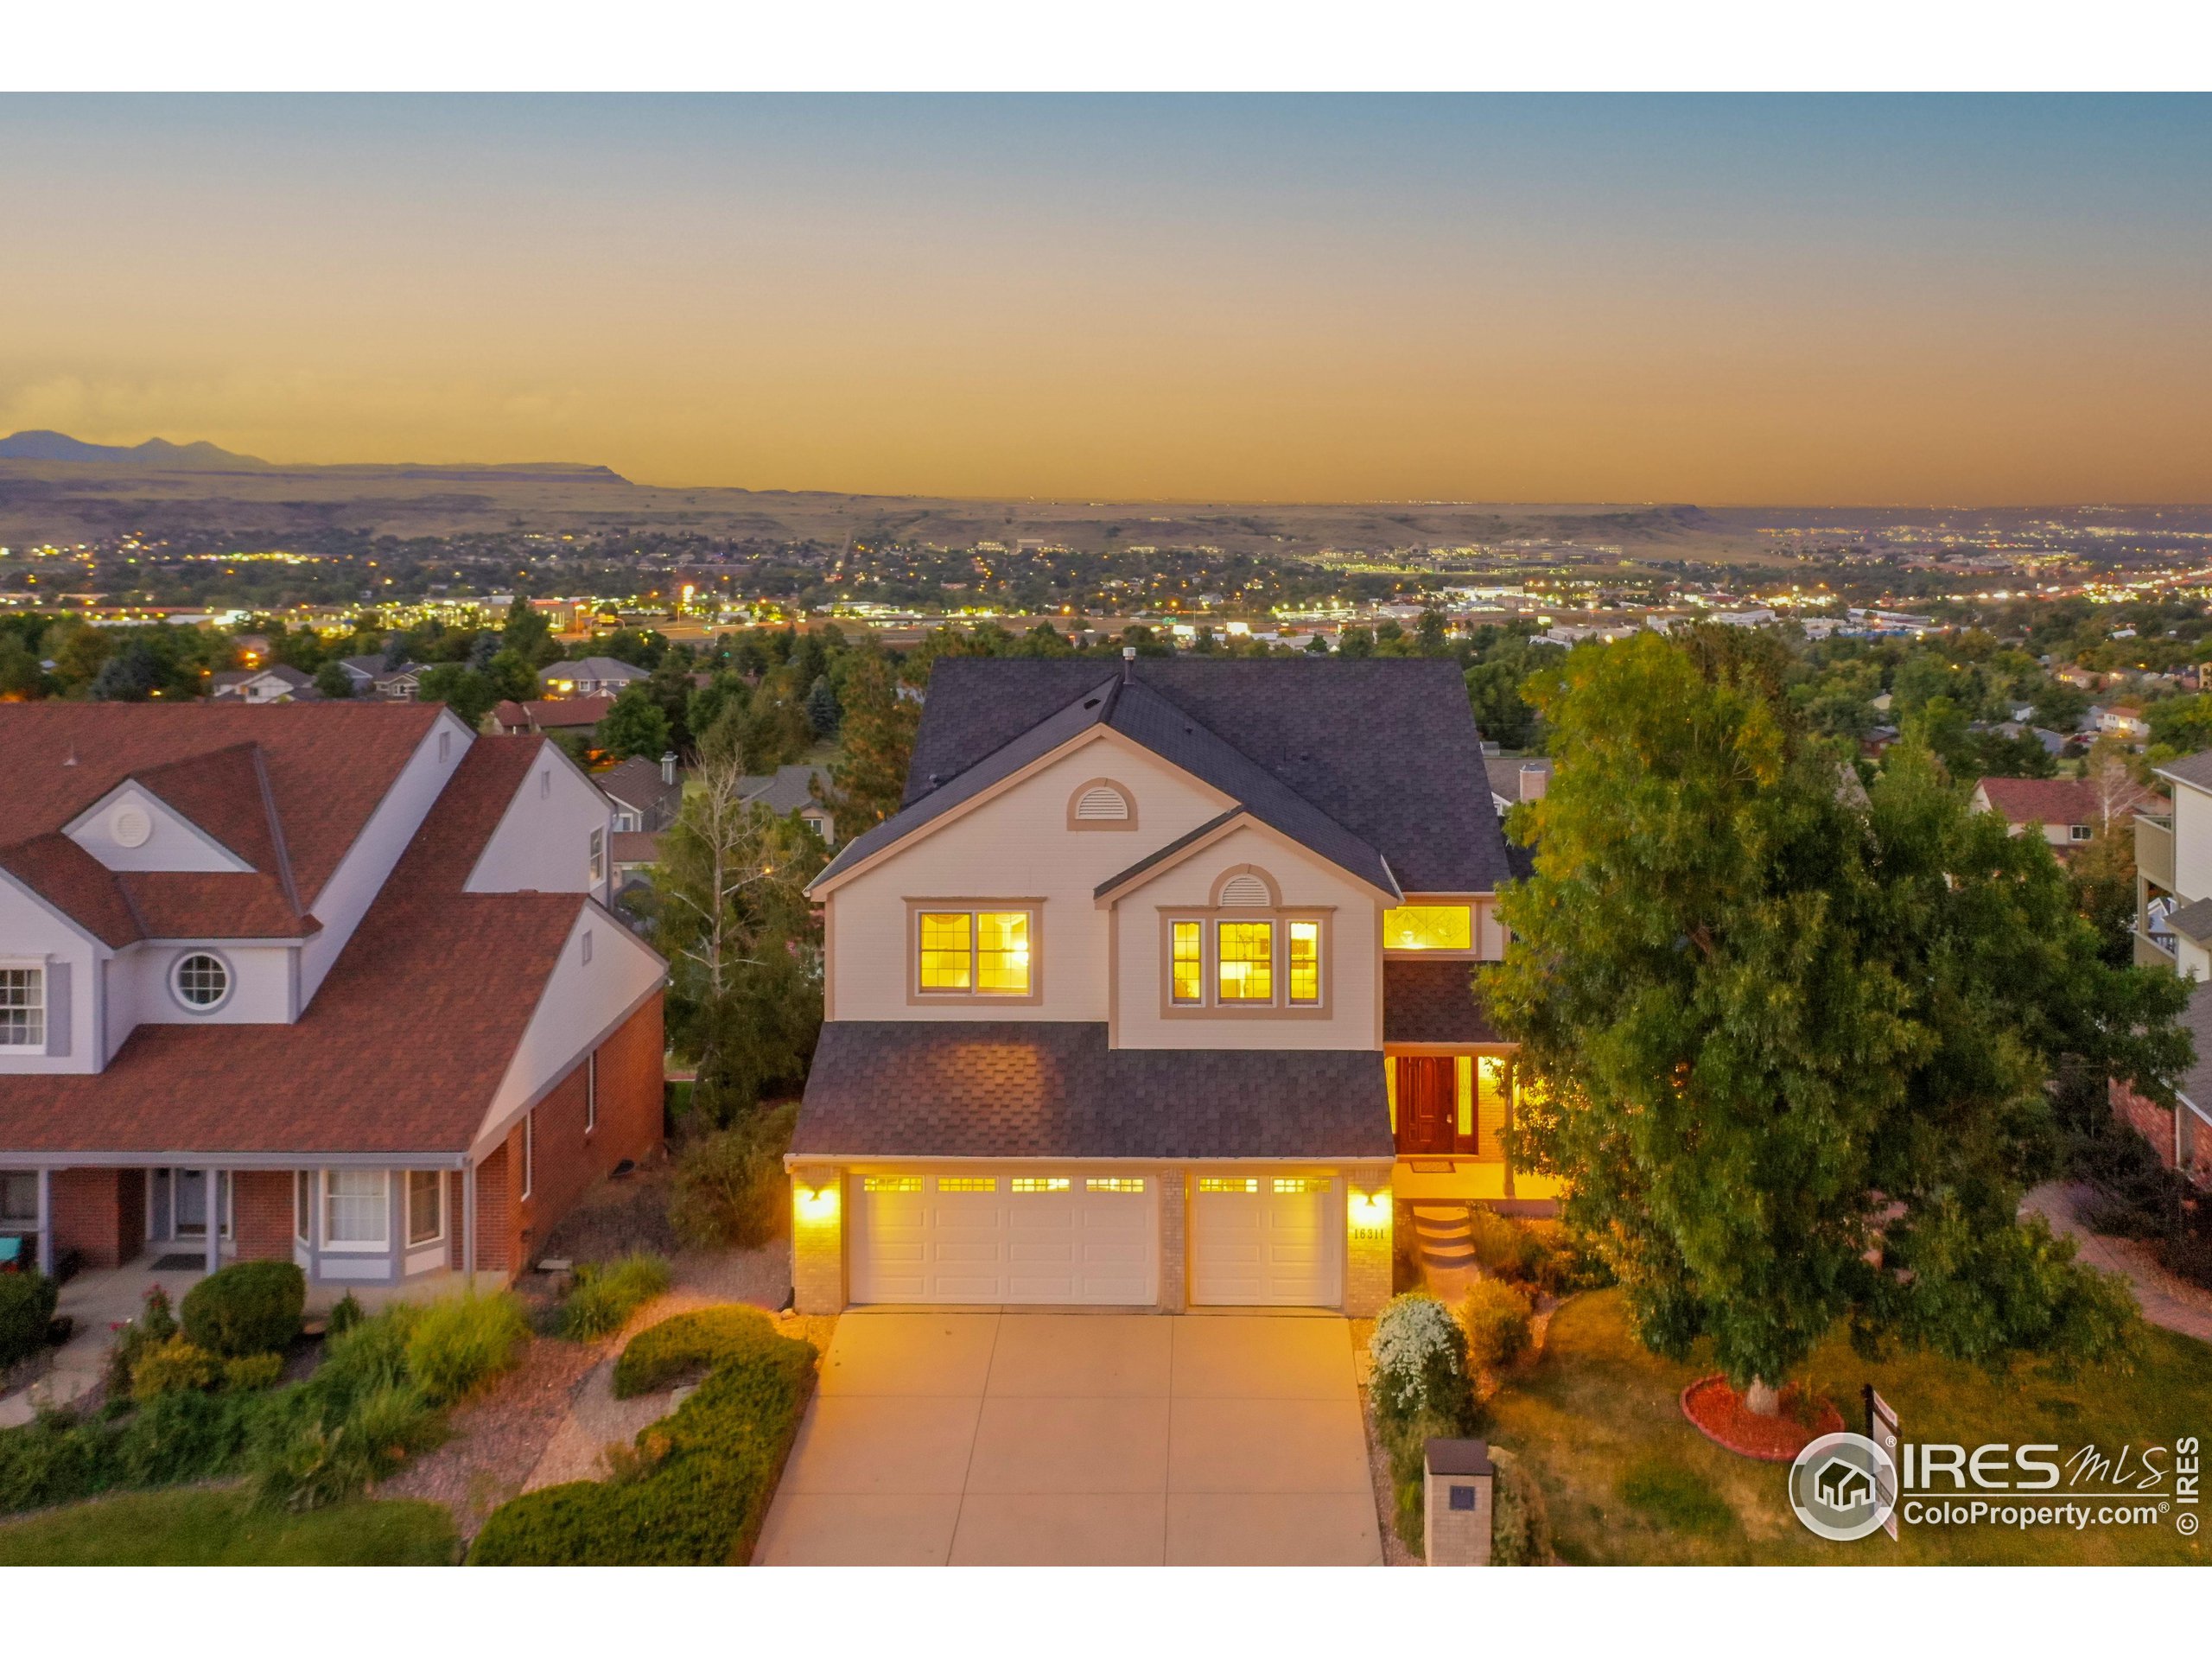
x=1630 y=1482
x=201 y=1525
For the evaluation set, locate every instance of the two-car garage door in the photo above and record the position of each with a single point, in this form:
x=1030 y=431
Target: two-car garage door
x=999 y=1238
x=938 y=1238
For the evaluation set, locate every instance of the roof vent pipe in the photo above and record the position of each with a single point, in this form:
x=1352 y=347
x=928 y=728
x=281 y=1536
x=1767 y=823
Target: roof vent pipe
x=1128 y=659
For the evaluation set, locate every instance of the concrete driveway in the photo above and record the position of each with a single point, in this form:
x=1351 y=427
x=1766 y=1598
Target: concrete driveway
x=1079 y=1440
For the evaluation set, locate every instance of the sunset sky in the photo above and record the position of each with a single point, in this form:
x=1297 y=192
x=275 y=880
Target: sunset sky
x=1510 y=298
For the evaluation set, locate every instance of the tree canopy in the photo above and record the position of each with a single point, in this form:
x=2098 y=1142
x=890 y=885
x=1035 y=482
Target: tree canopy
x=1789 y=1046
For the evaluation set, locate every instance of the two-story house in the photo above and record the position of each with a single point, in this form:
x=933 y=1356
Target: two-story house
x=334 y=984
x=2173 y=929
x=1156 y=991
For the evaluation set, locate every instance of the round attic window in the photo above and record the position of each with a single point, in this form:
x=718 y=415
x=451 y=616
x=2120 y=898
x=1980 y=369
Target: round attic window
x=131 y=826
x=201 y=981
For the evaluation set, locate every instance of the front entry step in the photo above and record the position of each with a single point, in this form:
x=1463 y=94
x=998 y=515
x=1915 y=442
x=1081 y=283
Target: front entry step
x=1443 y=1236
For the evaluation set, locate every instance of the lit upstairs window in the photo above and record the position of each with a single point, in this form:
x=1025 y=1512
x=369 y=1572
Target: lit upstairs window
x=1188 y=964
x=947 y=964
x=1428 y=927
x=1246 y=962
x=1304 y=961
x=1002 y=952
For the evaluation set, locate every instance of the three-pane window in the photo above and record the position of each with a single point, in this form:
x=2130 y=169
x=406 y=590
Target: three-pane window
x=1275 y=963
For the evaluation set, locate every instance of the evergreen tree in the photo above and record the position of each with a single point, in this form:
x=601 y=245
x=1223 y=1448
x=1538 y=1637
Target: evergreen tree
x=1790 y=1053
x=822 y=713
x=333 y=680
x=868 y=778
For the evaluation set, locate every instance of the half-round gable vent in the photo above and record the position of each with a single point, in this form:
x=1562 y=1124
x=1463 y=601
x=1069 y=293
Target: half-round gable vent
x=1103 y=804
x=1246 y=889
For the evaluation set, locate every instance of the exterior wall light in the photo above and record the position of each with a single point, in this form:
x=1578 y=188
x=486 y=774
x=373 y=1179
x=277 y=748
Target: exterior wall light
x=1370 y=1212
x=816 y=1204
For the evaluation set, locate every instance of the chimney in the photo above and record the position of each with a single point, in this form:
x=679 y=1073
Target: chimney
x=668 y=767
x=1128 y=662
x=1535 y=780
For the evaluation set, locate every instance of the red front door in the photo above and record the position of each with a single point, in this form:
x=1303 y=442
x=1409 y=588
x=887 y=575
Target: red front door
x=1427 y=1102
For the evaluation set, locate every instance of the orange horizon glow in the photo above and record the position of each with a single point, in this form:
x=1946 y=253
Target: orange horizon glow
x=1931 y=301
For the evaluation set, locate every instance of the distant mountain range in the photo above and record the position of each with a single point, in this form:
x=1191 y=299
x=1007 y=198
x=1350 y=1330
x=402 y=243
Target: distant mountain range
x=160 y=455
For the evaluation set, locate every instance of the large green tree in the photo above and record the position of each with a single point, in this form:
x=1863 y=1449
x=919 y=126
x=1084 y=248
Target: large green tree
x=1790 y=1051
x=729 y=911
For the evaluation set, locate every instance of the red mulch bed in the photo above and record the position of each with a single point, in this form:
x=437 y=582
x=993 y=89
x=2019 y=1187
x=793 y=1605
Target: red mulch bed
x=1717 y=1412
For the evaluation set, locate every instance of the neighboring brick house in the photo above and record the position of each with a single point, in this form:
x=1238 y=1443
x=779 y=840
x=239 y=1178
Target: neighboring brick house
x=2182 y=1134
x=335 y=985
x=550 y=715
x=1157 y=991
x=2070 y=811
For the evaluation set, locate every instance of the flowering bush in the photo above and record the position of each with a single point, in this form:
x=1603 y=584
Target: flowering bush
x=1420 y=1359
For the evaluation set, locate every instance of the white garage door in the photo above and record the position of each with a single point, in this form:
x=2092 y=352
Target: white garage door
x=1266 y=1241
x=1046 y=1238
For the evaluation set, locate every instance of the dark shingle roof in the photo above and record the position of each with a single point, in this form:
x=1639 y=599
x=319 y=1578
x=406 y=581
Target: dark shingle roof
x=1036 y=1089
x=1386 y=748
x=2195 y=769
x=2196 y=1084
x=2193 y=922
x=1433 y=1002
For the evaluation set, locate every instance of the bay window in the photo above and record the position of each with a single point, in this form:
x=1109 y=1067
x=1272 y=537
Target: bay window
x=355 y=1210
x=426 y=1222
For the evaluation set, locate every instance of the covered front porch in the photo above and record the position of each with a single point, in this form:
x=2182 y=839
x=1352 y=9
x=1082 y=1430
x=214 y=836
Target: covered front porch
x=1450 y=1107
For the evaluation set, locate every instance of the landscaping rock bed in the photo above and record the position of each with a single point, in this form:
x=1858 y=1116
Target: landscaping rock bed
x=1718 y=1412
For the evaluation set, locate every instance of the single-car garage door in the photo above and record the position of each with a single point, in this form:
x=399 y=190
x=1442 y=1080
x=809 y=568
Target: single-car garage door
x=1266 y=1241
x=929 y=1237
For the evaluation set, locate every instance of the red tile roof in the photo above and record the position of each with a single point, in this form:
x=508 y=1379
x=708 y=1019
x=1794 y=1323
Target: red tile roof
x=402 y=1048
x=320 y=771
x=2061 y=800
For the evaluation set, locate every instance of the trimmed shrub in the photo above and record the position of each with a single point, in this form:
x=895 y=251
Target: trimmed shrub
x=254 y=1372
x=155 y=1325
x=1519 y=1523
x=602 y=1298
x=249 y=1307
x=459 y=1342
x=26 y=1309
x=729 y=1188
x=176 y=1365
x=1496 y=1316
x=700 y=1486
x=1505 y=1248
x=1421 y=1360
x=685 y=1349
x=344 y=1314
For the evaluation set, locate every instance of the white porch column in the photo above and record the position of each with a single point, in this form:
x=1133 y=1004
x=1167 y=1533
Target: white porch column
x=213 y=1179
x=45 y=1221
x=468 y=1223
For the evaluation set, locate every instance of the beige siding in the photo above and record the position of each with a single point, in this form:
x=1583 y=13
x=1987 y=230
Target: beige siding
x=1352 y=1015
x=1016 y=845
x=2192 y=844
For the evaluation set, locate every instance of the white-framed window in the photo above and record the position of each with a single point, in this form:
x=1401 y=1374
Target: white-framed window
x=445 y=747
x=529 y=1151
x=2081 y=831
x=200 y=981
x=587 y=947
x=356 y=1209
x=426 y=1206
x=303 y=1204
x=598 y=857
x=22 y=1007
x=18 y=1198
x=591 y=1092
